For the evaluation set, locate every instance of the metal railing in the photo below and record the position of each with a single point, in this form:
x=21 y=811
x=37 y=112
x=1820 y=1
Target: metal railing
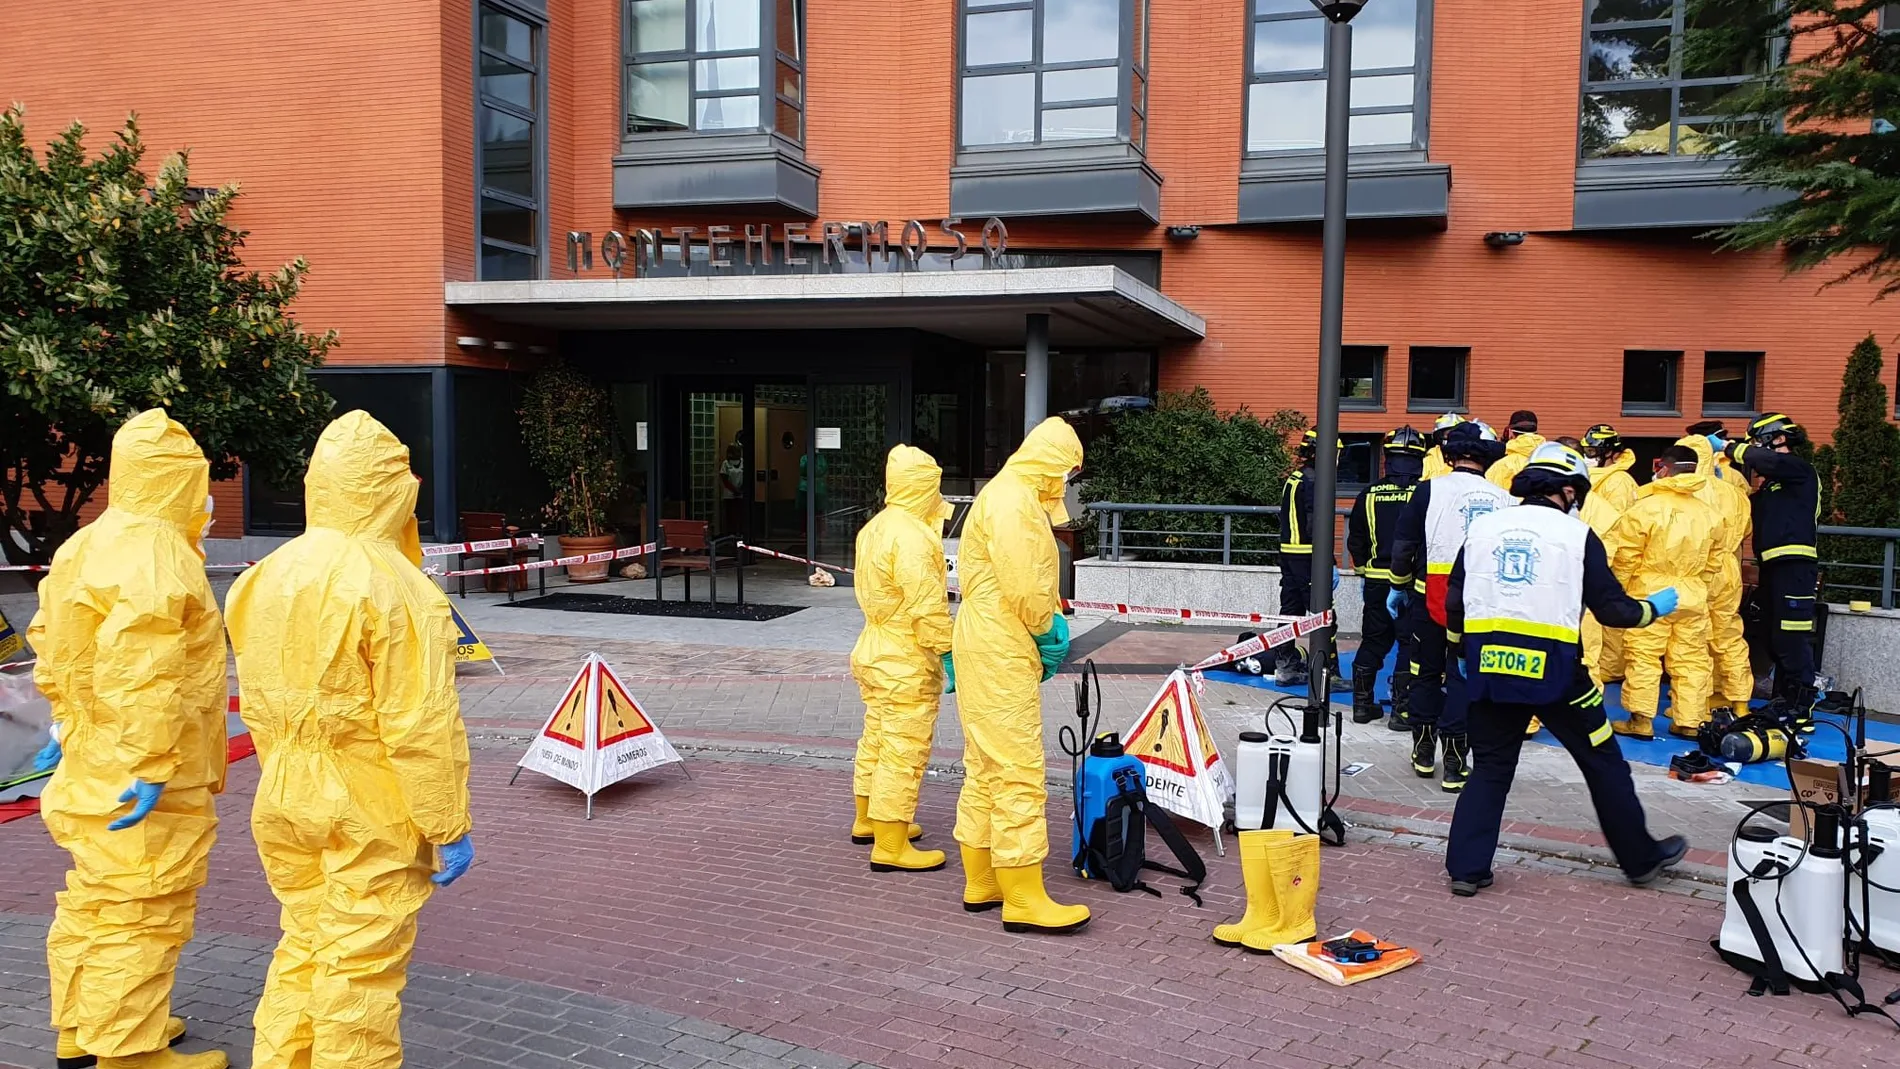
x=1123 y=531
x=1250 y=534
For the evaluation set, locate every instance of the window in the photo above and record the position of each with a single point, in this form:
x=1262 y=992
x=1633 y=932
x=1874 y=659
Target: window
x=1437 y=381
x=1641 y=97
x=1362 y=377
x=1728 y=383
x=1286 y=79
x=715 y=66
x=508 y=157
x=1358 y=459
x=1649 y=381
x=1041 y=72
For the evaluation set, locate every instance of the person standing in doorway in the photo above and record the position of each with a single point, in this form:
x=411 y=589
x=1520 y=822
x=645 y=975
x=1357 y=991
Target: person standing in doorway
x=732 y=490
x=1369 y=536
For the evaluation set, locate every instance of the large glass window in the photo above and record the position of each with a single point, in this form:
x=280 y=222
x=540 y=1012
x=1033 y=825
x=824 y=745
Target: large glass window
x=1286 y=77
x=1437 y=381
x=1649 y=380
x=713 y=66
x=1053 y=71
x=1729 y=383
x=1642 y=97
x=508 y=164
x=1362 y=377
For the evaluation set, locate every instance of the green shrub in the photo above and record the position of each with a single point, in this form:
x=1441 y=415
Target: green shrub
x=1187 y=452
x=1859 y=474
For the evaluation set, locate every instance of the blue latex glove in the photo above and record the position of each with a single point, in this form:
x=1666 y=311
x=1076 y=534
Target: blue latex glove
x=1395 y=603
x=1335 y=578
x=456 y=858
x=1663 y=601
x=1053 y=645
x=1717 y=442
x=949 y=675
x=146 y=795
x=48 y=756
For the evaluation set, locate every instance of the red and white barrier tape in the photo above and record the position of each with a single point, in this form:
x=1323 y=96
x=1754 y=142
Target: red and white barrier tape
x=559 y=562
x=1279 y=636
x=763 y=552
x=480 y=547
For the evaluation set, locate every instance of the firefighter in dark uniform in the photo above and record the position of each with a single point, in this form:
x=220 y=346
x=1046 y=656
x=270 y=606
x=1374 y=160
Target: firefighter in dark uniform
x=1296 y=562
x=1515 y=601
x=1785 y=506
x=1369 y=531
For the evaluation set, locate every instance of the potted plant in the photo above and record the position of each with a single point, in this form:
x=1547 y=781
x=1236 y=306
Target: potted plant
x=565 y=422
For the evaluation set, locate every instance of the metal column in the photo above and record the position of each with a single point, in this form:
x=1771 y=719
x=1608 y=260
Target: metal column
x=1035 y=371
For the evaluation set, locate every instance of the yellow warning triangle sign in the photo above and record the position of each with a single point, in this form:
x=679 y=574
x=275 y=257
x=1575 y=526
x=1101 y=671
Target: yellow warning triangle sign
x=597 y=735
x=1185 y=773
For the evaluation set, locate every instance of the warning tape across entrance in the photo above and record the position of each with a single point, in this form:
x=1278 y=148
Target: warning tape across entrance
x=559 y=562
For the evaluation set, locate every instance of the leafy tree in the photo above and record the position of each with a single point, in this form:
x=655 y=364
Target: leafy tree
x=1186 y=452
x=119 y=294
x=566 y=423
x=1836 y=91
x=1860 y=471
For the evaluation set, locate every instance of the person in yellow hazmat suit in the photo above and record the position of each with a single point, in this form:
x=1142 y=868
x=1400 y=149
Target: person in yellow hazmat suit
x=131 y=658
x=902 y=657
x=1435 y=464
x=1669 y=537
x=1520 y=441
x=1010 y=636
x=346 y=675
x=1734 y=676
x=1612 y=489
x=1724 y=468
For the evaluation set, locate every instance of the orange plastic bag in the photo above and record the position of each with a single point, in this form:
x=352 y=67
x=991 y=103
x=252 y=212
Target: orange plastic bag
x=1312 y=958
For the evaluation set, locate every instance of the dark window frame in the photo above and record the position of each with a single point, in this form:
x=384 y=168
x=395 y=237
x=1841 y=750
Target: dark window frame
x=1420 y=71
x=1672 y=404
x=1131 y=62
x=1373 y=442
x=537 y=137
x=1376 y=402
x=1751 y=377
x=768 y=92
x=1674 y=82
x=1415 y=403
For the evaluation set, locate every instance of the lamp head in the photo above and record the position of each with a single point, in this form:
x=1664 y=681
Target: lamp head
x=1339 y=10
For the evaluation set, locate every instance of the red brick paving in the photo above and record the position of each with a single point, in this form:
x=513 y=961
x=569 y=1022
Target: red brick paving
x=735 y=897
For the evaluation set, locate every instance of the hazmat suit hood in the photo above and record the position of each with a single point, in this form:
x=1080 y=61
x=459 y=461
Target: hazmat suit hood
x=1523 y=445
x=359 y=483
x=1048 y=454
x=1704 y=454
x=1624 y=461
x=1687 y=483
x=158 y=472
x=913 y=481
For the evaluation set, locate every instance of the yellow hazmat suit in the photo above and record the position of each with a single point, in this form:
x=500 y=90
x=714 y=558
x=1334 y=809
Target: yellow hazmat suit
x=1734 y=676
x=1611 y=491
x=131 y=651
x=346 y=669
x=902 y=587
x=1434 y=464
x=1517 y=453
x=1669 y=538
x=1007 y=561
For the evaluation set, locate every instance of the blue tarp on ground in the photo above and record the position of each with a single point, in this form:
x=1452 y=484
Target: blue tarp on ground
x=1824 y=743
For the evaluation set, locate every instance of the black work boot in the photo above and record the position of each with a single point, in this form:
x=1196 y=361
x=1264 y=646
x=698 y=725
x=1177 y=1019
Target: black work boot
x=1365 y=705
x=1457 y=762
x=1401 y=697
x=1424 y=749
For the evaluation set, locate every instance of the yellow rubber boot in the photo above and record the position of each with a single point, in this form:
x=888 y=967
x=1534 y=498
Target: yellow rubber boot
x=1638 y=726
x=893 y=852
x=1293 y=865
x=1028 y=908
x=863 y=834
x=1533 y=727
x=1263 y=906
x=168 y=1059
x=68 y=1055
x=980 y=890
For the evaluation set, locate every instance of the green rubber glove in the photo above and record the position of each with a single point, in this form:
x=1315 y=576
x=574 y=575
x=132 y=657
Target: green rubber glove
x=949 y=675
x=1053 y=645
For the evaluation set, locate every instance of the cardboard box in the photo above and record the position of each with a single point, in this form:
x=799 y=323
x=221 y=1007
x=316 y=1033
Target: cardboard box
x=1813 y=782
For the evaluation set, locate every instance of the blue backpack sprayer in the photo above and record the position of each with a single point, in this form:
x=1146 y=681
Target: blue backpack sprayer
x=1112 y=813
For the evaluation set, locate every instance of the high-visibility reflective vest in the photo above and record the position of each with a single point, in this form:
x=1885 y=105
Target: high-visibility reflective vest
x=1457 y=498
x=1523 y=604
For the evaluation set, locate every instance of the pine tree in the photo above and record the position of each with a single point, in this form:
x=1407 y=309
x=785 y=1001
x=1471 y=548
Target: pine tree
x=121 y=292
x=1861 y=472
x=1819 y=125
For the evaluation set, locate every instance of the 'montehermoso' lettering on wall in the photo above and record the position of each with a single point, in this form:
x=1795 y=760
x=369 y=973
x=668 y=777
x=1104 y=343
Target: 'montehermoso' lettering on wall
x=712 y=249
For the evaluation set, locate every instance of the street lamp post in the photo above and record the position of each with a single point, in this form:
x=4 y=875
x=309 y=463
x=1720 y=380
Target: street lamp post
x=1332 y=308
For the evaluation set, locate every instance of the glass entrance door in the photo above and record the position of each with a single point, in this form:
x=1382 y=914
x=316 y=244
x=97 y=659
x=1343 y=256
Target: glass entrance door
x=852 y=431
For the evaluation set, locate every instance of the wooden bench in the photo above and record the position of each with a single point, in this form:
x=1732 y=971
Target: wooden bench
x=688 y=546
x=487 y=526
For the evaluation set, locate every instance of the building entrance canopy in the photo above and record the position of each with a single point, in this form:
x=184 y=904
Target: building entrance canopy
x=1085 y=306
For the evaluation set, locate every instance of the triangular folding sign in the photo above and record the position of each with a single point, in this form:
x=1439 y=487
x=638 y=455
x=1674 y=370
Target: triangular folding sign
x=1186 y=775
x=469 y=645
x=597 y=735
x=10 y=641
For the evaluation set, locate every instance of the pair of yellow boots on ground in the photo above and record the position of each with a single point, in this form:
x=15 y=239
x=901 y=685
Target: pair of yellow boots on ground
x=1281 y=872
x=1026 y=906
x=69 y=1055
